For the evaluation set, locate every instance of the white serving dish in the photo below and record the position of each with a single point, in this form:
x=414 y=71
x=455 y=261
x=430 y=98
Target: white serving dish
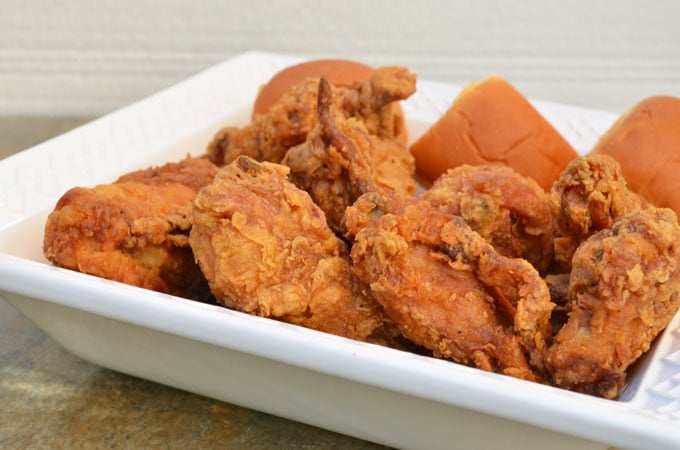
x=374 y=393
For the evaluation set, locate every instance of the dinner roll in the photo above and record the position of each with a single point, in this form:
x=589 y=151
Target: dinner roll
x=645 y=140
x=490 y=122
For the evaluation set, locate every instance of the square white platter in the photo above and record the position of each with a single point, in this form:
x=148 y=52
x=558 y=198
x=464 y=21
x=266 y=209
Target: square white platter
x=367 y=391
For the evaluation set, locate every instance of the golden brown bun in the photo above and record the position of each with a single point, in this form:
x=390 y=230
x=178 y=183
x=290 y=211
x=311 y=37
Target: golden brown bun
x=490 y=122
x=646 y=142
x=340 y=72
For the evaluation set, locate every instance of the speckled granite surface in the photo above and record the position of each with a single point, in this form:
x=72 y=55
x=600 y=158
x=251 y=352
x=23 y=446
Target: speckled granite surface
x=52 y=399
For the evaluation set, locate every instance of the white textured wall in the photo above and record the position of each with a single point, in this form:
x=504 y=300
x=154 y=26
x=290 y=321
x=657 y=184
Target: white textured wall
x=83 y=57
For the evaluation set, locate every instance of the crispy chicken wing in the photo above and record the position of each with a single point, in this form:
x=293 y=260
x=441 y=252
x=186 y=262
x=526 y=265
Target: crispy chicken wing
x=135 y=230
x=266 y=249
x=624 y=289
x=589 y=196
x=341 y=160
x=289 y=120
x=508 y=210
x=447 y=289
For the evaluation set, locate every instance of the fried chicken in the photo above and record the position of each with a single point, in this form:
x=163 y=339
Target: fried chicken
x=447 y=289
x=589 y=196
x=135 y=230
x=624 y=289
x=289 y=120
x=341 y=160
x=508 y=210
x=266 y=249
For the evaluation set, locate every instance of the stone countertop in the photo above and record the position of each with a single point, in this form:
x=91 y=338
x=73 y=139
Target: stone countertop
x=52 y=399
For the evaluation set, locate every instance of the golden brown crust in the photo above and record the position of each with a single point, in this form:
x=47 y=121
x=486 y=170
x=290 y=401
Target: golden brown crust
x=341 y=160
x=134 y=230
x=590 y=194
x=288 y=121
x=266 y=249
x=623 y=290
x=340 y=72
x=449 y=290
x=508 y=210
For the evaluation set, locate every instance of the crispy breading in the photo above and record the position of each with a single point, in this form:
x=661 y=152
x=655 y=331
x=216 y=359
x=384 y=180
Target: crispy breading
x=288 y=122
x=589 y=196
x=341 y=160
x=447 y=289
x=134 y=230
x=266 y=249
x=624 y=288
x=509 y=211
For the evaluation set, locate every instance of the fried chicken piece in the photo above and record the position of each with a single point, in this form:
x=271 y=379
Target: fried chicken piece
x=135 y=230
x=447 y=289
x=508 y=210
x=266 y=249
x=341 y=160
x=624 y=289
x=289 y=120
x=589 y=196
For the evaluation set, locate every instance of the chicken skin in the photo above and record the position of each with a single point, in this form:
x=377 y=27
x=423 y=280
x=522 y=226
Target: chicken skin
x=509 y=211
x=623 y=291
x=447 y=289
x=266 y=249
x=590 y=194
x=289 y=120
x=135 y=230
x=341 y=160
